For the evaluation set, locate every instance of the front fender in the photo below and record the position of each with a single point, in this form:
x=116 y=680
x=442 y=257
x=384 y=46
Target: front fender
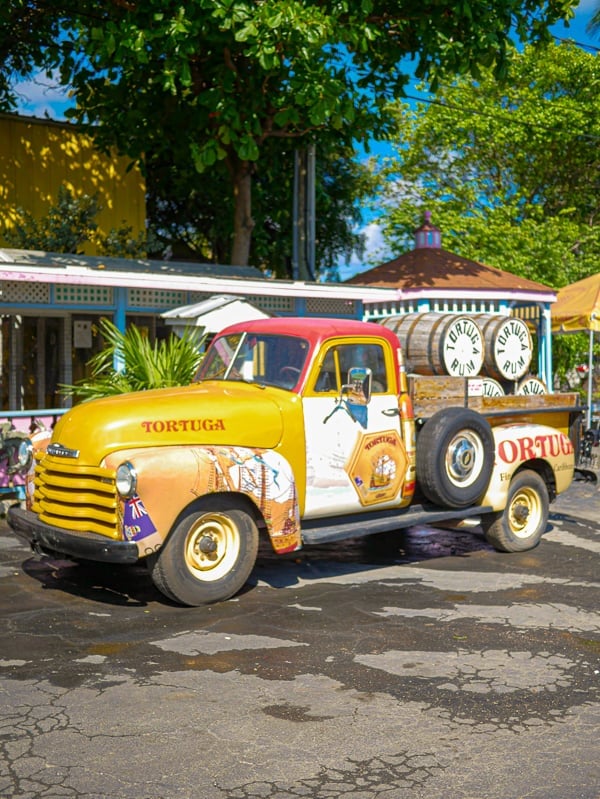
x=520 y=444
x=170 y=478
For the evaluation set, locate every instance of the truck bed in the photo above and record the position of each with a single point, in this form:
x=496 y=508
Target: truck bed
x=431 y=394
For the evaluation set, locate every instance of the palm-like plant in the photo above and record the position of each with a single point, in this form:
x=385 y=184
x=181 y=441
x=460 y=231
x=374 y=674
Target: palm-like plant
x=129 y=362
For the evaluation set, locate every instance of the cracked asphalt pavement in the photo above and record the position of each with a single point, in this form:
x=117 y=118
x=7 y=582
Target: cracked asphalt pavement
x=420 y=665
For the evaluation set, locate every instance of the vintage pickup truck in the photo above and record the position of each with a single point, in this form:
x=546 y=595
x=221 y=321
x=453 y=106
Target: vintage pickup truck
x=302 y=430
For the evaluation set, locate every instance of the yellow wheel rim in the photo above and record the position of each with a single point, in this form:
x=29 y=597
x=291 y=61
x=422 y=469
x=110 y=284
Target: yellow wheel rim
x=212 y=547
x=525 y=512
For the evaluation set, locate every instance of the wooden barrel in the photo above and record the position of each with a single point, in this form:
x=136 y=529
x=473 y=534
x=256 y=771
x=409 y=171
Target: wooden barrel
x=492 y=388
x=531 y=385
x=508 y=347
x=439 y=343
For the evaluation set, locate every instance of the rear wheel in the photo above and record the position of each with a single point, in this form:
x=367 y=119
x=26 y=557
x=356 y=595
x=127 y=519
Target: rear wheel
x=208 y=556
x=524 y=519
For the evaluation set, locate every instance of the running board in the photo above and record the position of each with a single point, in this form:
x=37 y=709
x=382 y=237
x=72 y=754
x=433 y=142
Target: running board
x=337 y=528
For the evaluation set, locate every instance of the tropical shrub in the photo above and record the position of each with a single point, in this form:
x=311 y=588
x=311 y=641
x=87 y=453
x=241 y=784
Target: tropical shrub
x=130 y=362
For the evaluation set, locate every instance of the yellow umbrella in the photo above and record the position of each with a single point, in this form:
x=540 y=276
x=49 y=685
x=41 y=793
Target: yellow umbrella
x=577 y=308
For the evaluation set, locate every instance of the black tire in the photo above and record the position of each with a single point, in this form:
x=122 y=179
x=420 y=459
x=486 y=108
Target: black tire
x=208 y=555
x=455 y=457
x=523 y=521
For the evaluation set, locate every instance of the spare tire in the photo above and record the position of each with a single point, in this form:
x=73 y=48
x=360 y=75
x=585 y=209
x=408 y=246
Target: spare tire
x=455 y=457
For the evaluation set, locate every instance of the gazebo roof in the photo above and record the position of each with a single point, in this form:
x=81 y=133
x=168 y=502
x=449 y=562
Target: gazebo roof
x=435 y=268
x=430 y=269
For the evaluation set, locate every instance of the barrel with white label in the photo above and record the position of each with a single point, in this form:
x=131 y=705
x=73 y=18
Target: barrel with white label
x=508 y=346
x=439 y=343
x=531 y=385
x=492 y=388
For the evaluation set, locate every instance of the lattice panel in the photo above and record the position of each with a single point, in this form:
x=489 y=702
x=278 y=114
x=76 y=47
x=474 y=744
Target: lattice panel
x=66 y=294
x=198 y=296
x=31 y=293
x=156 y=298
x=273 y=304
x=324 y=306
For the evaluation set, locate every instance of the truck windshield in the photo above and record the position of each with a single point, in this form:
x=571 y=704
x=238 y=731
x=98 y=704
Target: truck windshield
x=253 y=357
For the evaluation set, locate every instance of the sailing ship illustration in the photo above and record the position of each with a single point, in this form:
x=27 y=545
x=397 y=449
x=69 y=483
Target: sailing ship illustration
x=383 y=471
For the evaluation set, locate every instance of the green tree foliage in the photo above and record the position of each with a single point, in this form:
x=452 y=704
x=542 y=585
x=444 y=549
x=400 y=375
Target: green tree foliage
x=213 y=80
x=122 y=243
x=25 y=27
x=510 y=171
x=129 y=362
x=569 y=351
x=193 y=218
x=69 y=224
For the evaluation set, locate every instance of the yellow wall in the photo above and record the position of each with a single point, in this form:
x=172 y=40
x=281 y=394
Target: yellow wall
x=37 y=156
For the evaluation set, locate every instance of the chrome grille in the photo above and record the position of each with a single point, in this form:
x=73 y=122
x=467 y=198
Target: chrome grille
x=75 y=497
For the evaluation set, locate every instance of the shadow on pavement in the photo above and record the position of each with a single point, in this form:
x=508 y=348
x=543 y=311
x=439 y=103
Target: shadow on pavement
x=131 y=585
x=100 y=582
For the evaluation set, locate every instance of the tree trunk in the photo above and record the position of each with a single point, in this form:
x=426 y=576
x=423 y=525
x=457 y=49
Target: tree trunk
x=243 y=224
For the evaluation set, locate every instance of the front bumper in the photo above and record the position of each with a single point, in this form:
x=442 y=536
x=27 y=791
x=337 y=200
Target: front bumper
x=88 y=546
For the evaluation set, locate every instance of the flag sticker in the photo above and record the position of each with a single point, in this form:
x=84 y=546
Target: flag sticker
x=136 y=522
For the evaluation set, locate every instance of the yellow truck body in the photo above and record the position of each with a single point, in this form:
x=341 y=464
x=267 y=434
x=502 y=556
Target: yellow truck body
x=305 y=431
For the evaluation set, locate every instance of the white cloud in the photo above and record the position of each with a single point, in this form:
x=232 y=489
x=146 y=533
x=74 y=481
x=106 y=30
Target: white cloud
x=42 y=97
x=376 y=252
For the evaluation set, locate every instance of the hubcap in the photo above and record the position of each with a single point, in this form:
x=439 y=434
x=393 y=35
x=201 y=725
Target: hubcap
x=464 y=458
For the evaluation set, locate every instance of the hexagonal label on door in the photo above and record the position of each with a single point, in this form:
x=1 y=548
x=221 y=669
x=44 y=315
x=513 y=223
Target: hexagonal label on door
x=377 y=466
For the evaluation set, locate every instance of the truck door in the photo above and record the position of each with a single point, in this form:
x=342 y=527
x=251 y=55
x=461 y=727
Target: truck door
x=355 y=456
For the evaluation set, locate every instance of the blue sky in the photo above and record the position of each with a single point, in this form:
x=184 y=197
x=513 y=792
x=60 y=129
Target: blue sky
x=42 y=97
x=375 y=248
x=577 y=28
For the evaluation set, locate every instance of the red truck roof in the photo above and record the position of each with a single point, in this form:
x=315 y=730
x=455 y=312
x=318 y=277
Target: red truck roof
x=314 y=329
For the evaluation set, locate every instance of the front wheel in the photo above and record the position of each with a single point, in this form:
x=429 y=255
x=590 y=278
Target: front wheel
x=524 y=519
x=208 y=556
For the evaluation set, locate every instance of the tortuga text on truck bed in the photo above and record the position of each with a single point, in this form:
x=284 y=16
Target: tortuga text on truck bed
x=299 y=429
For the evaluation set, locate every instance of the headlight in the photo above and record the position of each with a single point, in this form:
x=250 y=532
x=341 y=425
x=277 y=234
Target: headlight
x=126 y=481
x=25 y=455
